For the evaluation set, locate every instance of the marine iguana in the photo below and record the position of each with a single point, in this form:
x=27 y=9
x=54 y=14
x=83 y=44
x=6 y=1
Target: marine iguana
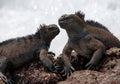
x=16 y=52
x=86 y=39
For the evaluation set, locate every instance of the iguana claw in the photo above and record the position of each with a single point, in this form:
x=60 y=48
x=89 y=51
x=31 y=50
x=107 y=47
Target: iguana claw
x=5 y=79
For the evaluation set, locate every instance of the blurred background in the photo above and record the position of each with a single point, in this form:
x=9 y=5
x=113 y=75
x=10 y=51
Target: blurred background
x=22 y=17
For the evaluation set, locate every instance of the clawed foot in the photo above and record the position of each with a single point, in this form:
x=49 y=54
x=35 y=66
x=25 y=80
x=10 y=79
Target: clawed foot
x=51 y=53
x=52 y=68
x=49 y=62
x=91 y=66
x=5 y=79
x=65 y=71
x=49 y=65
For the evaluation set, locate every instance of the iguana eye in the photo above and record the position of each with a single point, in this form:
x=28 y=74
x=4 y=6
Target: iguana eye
x=67 y=18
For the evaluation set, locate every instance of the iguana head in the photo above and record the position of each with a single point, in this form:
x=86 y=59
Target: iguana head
x=67 y=21
x=47 y=32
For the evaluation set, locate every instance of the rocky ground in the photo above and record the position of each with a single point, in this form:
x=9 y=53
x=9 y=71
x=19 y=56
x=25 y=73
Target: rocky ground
x=36 y=73
x=108 y=73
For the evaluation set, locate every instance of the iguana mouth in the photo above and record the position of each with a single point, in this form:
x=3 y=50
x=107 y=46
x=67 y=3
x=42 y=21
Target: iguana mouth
x=62 y=23
x=63 y=20
x=56 y=30
x=53 y=29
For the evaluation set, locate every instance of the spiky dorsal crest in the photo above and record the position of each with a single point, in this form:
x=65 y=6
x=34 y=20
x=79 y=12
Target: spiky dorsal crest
x=41 y=30
x=80 y=14
x=97 y=24
x=41 y=27
x=91 y=22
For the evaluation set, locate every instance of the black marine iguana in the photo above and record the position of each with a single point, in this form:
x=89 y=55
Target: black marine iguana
x=87 y=39
x=17 y=52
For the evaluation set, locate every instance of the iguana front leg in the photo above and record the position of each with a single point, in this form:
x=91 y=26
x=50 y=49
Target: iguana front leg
x=46 y=61
x=68 y=69
x=99 y=49
x=3 y=66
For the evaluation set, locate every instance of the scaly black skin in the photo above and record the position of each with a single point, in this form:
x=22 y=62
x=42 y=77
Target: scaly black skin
x=14 y=53
x=86 y=39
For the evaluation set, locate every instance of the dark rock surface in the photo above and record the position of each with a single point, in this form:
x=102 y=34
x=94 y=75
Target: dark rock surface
x=109 y=72
x=35 y=73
